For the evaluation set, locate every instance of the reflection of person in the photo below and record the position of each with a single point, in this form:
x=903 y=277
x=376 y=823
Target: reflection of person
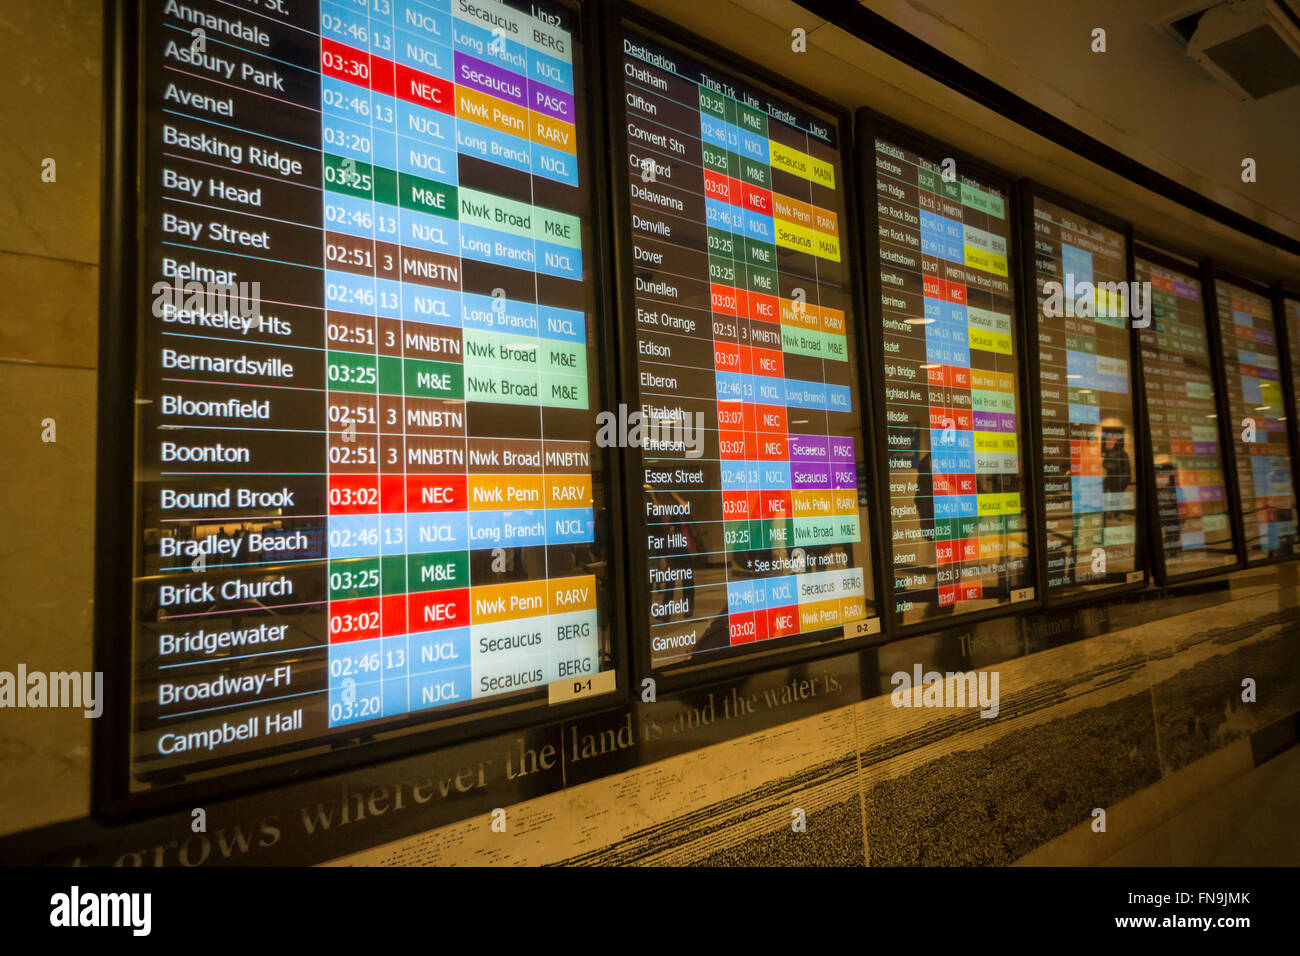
x=924 y=504
x=1171 y=520
x=837 y=558
x=1115 y=464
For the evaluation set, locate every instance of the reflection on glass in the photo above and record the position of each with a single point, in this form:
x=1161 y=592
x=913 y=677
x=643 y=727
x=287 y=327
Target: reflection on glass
x=950 y=389
x=1191 y=498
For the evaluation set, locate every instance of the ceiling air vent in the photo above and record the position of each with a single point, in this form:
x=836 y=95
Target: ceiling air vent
x=1250 y=46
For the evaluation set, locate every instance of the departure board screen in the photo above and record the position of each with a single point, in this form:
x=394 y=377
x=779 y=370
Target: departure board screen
x=951 y=388
x=1089 y=443
x=1187 y=459
x=753 y=500
x=1253 y=367
x=368 y=492
x=1291 y=314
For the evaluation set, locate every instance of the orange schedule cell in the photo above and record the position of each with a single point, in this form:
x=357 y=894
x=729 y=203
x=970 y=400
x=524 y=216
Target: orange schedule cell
x=497 y=492
x=490 y=603
x=567 y=595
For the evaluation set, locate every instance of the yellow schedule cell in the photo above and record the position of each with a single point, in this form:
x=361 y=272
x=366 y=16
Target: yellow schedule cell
x=818 y=614
x=826 y=226
x=802 y=238
x=573 y=594
x=999 y=443
x=1007 y=503
x=821 y=172
x=826 y=221
x=793 y=161
x=507 y=602
x=554 y=133
x=852 y=609
x=491 y=112
x=986 y=261
x=792 y=210
x=827 y=246
x=809 y=504
x=844 y=501
x=1108 y=303
x=567 y=491
x=495 y=492
x=833 y=321
x=801 y=315
x=987 y=442
x=799 y=163
x=987 y=341
x=798 y=238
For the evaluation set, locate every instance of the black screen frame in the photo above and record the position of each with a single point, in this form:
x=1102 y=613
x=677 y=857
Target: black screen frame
x=869 y=124
x=691 y=673
x=1215 y=275
x=122 y=283
x=1196 y=267
x=1029 y=191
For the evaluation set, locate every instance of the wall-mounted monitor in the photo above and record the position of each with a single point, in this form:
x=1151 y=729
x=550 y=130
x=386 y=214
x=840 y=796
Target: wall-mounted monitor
x=1188 y=482
x=1291 y=320
x=362 y=497
x=1078 y=262
x=948 y=377
x=740 y=334
x=1251 y=353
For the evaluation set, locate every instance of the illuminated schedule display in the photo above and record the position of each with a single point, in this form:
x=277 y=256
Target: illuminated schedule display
x=1086 y=404
x=752 y=506
x=951 y=386
x=369 y=496
x=1253 y=371
x=1187 y=457
x=1291 y=315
